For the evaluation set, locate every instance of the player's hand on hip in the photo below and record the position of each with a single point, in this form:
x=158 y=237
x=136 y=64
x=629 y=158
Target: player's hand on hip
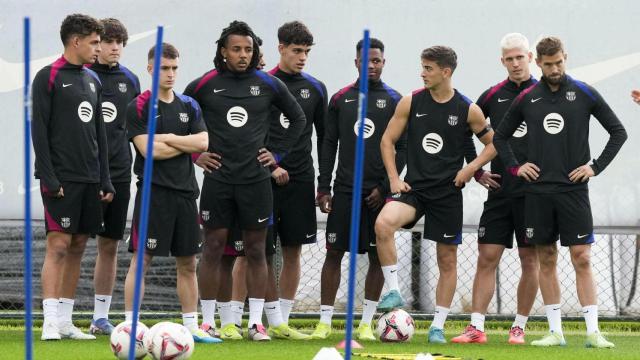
x=635 y=94
x=280 y=175
x=265 y=157
x=489 y=180
x=209 y=161
x=463 y=176
x=324 y=202
x=375 y=200
x=529 y=172
x=106 y=197
x=581 y=174
x=398 y=186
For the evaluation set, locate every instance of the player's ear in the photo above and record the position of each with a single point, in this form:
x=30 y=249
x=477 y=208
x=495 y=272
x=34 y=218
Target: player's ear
x=530 y=54
x=150 y=68
x=281 y=48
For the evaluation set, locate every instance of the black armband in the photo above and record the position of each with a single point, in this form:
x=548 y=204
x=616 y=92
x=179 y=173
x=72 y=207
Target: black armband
x=483 y=132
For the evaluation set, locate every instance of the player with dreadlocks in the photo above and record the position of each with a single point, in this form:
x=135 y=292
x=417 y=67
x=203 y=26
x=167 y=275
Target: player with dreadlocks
x=236 y=99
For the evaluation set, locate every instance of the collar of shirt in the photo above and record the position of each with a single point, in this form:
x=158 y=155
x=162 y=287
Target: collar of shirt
x=373 y=85
x=96 y=66
x=523 y=85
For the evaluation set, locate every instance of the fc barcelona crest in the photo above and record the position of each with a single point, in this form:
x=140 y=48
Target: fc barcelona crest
x=453 y=120
x=305 y=93
x=254 y=90
x=206 y=215
x=481 y=231
x=152 y=243
x=238 y=245
x=122 y=87
x=381 y=103
x=331 y=238
x=529 y=233
x=65 y=222
x=571 y=95
x=184 y=117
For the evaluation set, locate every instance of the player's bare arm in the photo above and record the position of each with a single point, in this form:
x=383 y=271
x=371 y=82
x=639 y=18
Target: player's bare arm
x=396 y=127
x=161 y=151
x=189 y=143
x=478 y=124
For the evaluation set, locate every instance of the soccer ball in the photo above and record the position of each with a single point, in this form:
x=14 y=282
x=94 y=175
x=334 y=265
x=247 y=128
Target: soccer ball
x=395 y=326
x=121 y=336
x=170 y=341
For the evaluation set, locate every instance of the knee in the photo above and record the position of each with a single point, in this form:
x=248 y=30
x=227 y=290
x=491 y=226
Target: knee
x=57 y=251
x=187 y=267
x=384 y=227
x=291 y=255
x=334 y=257
x=213 y=246
x=529 y=262
x=447 y=261
x=581 y=260
x=254 y=252
x=488 y=261
x=77 y=247
x=107 y=248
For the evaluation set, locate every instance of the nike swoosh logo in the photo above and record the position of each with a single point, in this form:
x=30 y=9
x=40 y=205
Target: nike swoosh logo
x=102 y=300
x=421 y=115
x=66 y=85
x=271 y=308
x=582 y=236
x=392 y=271
x=157 y=116
x=449 y=236
x=262 y=220
x=215 y=91
x=22 y=190
x=534 y=100
x=12 y=73
x=310 y=236
x=349 y=100
x=503 y=100
x=556 y=309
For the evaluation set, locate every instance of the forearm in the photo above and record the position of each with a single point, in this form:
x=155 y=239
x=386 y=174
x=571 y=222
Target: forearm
x=327 y=163
x=163 y=151
x=194 y=143
x=487 y=154
x=387 y=149
x=103 y=149
x=617 y=138
x=43 y=157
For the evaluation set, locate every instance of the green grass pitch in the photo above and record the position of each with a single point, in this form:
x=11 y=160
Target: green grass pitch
x=626 y=336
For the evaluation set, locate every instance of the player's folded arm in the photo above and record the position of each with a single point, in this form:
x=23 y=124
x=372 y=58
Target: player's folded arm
x=161 y=151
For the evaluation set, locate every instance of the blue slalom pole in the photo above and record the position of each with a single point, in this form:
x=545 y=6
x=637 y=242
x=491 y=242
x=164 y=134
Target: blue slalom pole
x=146 y=190
x=357 y=191
x=28 y=296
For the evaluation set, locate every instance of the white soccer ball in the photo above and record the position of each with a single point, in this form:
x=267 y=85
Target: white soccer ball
x=170 y=341
x=121 y=336
x=395 y=326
